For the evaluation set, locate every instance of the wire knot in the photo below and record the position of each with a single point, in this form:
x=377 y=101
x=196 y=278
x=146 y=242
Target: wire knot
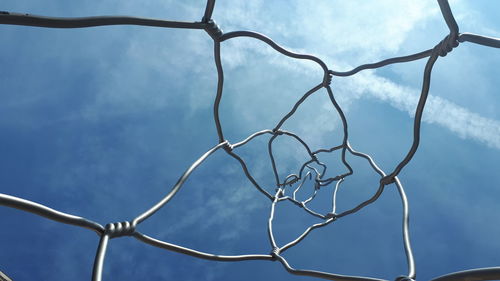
x=280 y=192
x=275 y=252
x=277 y=132
x=119 y=229
x=331 y=216
x=327 y=80
x=447 y=44
x=228 y=146
x=213 y=30
x=387 y=180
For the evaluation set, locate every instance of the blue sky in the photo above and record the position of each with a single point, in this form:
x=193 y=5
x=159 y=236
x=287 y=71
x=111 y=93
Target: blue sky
x=101 y=122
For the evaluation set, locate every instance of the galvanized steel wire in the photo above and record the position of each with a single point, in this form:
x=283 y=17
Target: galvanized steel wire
x=130 y=228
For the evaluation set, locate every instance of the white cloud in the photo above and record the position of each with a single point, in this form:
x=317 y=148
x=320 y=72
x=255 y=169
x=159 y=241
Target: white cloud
x=334 y=29
x=459 y=120
x=371 y=29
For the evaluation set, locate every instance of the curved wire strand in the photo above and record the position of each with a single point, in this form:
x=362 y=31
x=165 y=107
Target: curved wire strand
x=113 y=230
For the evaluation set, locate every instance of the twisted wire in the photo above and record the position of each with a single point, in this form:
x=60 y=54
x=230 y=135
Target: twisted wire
x=129 y=228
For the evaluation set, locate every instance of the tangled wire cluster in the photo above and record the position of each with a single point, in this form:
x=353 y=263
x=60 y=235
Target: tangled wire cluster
x=288 y=187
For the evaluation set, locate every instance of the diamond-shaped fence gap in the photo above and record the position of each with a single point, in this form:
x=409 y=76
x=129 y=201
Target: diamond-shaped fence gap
x=124 y=127
x=290 y=221
x=230 y=223
x=373 y=235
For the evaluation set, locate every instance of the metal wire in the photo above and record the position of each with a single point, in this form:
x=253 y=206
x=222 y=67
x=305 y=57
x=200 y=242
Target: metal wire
x=119 y=229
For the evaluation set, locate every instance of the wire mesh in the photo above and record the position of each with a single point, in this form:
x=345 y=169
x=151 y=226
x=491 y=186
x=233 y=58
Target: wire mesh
x=286 y=187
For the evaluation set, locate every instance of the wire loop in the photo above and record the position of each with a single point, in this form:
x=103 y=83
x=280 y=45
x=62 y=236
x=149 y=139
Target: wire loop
x=126 y=228
x=447 y=44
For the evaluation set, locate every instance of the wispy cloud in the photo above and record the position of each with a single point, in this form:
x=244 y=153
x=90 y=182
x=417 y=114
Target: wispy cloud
x=338 y=33
x=459 y=120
